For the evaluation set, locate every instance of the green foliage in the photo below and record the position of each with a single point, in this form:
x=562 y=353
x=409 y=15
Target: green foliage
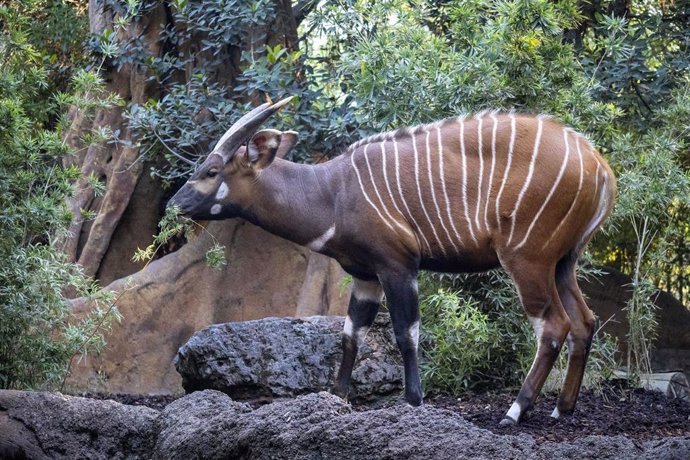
x=623 y=82
x=474 y=334
x=39 y=336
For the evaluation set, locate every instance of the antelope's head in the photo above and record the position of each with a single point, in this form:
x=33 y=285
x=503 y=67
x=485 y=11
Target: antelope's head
x=222 y=186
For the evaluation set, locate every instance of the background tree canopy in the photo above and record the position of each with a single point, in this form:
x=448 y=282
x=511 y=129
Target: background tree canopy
x=156 y=83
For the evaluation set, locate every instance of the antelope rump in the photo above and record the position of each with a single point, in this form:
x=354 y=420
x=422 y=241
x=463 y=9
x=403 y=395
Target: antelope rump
x=459 y=195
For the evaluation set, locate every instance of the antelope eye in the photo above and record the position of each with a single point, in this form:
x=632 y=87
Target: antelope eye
x=212 y=173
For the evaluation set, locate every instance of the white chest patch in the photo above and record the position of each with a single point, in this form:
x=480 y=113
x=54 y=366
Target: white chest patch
x=318 y=243
x=215 y=209
x=222 y=191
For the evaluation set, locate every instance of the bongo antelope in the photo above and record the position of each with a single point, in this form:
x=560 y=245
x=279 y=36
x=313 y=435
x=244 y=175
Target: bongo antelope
x=462 y=194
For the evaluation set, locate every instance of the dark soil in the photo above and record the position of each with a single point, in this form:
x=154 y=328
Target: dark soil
x=635 y=414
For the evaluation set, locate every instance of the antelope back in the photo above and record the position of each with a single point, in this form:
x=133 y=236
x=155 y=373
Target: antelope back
x=507 y=181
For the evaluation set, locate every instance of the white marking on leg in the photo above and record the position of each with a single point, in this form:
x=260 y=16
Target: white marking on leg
x=369 y=291
x=530 y=173
x=556 y=413
x=402 y=196
x=538 y=326
x=222 y=191
x=348 y=328
x=514 y=412
x=414 y=334
x=366 y=196
x=431 y=182
x=215 y=209
x=507 y=170
x=376 y=190
x=445 y=191
x=480 y=154
x=491 y=173
x=318 y=243
x=419 y=191
x=551 y=192
x=464 y=180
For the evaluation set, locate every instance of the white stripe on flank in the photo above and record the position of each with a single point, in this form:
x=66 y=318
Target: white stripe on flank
x=579 y=189
x=443 y=186
x=431 y=184
x=493 y=167
x=376 y=190
x=419 y=191
x=402 y=197
x=530 y=173
x=366 y=197
x=596 y=181
x=480 y=153
x=507 y=170
x=551 y=192
x=464 y=180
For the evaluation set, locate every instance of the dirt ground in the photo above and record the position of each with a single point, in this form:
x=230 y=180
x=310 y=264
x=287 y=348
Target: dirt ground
x=635 y=414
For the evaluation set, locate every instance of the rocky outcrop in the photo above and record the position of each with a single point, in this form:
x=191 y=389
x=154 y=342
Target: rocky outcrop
x=55 y=426
x=283 y=357
x=608 y=295
x=210 y=425
x=164 y=304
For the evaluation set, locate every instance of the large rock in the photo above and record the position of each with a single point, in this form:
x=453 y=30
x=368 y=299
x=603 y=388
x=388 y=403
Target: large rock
x=209 y=425
x=164 y=304
x=55 y=426
x=281 y=357
x=608 y=295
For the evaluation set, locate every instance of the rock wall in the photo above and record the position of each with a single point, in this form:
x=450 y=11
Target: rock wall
x=608 y=295
x=177 y=295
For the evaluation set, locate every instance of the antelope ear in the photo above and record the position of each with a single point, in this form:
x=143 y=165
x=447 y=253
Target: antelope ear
x=266 y=144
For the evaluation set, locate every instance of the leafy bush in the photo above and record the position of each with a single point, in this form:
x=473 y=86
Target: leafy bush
x=39 y=335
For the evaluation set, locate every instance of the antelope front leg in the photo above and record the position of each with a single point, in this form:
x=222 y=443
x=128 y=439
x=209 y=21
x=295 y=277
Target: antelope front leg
x=364 y=304
x=403 y=304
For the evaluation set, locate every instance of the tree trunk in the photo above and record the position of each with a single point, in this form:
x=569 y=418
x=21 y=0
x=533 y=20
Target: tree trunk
x=117 y=165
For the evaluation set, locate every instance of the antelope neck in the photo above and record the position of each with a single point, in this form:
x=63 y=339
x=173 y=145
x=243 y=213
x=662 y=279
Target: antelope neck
x=294 y=201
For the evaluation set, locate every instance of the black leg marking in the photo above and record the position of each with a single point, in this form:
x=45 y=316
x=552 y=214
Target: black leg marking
x=403 y=303
x=364 y=304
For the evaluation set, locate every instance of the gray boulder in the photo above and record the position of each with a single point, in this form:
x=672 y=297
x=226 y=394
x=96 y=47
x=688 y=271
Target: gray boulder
x=210 y=425
x=51 y=425
x=285 y=357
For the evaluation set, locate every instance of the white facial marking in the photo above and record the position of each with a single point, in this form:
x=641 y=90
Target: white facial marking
x=367 y=290
x=222 y=191
x=556 y=413
x=318 y=243
x=514 y=411
x=414 y=334
x=215 y=209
